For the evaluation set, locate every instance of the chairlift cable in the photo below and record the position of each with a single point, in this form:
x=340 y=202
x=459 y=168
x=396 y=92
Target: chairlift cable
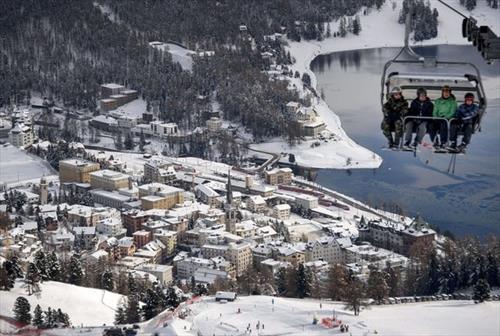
x=453 y=9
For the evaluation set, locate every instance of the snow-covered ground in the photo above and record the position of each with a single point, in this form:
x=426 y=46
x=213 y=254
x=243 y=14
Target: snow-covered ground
x=85 y=306
x=17 y=165
x=294 y=317
x=134 y=109
x=379 y=29
x=179 y=54
x=135 y=162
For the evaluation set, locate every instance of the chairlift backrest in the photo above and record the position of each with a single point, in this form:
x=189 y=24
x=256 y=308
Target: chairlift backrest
x=409 y=83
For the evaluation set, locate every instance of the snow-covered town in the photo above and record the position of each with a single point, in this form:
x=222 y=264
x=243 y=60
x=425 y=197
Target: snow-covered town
x=161 y=179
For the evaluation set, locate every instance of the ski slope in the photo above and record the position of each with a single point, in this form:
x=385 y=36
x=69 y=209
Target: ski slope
x=85 y=306
x=295 y=316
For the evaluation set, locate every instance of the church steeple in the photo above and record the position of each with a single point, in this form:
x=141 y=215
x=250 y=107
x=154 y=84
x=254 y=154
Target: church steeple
x=231 y=211
x=229 y=189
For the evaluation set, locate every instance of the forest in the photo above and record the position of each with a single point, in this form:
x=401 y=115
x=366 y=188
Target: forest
x=65 y=49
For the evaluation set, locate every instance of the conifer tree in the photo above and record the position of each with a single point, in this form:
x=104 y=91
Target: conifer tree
x=120 y=316
x=354 y=295
x=481 y=291
x=22 y=310
x=75 y=273
x=32 y=279
x=301 y=282
x=337 y=282
x=377 y=285
x=107 y=280
x=132 y=311
x=38 y=317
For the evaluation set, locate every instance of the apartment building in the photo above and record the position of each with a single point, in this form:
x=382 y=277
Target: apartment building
x=76 y=170
x=279 y=176
x=281 y=211
x=160 y=196
x=21 y=136
x=108 y=180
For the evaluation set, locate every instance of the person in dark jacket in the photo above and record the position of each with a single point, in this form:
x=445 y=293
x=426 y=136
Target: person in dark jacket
x=465 y=117
x=420 y=107
x=394 y=110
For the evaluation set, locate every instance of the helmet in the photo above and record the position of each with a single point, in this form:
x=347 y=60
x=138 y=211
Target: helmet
x=395 y=90
x=469 y=95
x=421 y=91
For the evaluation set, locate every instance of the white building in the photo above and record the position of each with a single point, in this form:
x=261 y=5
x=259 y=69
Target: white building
x=21 y=136
x=188 y=266
x=306 y=201
x=256 y=203
x=246 y=229
x=281 y=211
x=163 y=129
x=110 y=226
x=162 y=272
x=206 y=194
x=327 y=249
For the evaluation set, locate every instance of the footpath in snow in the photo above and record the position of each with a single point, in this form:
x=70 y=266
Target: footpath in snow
x=379 y=29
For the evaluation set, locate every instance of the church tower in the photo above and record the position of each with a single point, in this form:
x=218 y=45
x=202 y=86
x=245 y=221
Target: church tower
x=44 y=191
x=231 y=210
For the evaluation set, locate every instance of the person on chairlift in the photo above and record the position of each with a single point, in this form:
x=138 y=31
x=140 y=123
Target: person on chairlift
x=464 y=121
x=394 y=110
x=420 y=107
x=445 y=107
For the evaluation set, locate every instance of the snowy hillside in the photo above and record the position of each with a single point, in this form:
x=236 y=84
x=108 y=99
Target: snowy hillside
x=379 y=29
x=294 y=317
x=85 y=306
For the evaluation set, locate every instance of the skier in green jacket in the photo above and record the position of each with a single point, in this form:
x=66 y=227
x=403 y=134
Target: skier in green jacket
x=444 y=107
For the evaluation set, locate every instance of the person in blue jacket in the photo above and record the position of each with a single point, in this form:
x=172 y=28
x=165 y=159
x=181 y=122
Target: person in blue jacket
x=420 y=107
x=465 y=117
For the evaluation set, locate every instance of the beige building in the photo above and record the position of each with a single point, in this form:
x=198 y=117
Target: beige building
x=256 y=203
x=108 y=180
x=21 y=136
x=159 y=171
x=160 y=196
x=238 y=254
x=214 y=124
x=290 y=254
x=76 y=170
x=279 y=176
x=169 y=239
x=281 y=211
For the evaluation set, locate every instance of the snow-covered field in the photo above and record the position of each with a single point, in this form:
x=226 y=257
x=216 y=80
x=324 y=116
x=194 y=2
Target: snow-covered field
x=180 y=55
x=294 y=317
x=379 y=29
x=85 y=306
x=134 y=109
x=17 y=165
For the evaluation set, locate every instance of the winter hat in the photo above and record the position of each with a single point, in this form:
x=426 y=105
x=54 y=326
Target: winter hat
x=446 y=88
x=469 y=96
x=395 y=90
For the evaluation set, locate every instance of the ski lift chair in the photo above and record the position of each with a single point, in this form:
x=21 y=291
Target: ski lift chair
x=427 y=73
